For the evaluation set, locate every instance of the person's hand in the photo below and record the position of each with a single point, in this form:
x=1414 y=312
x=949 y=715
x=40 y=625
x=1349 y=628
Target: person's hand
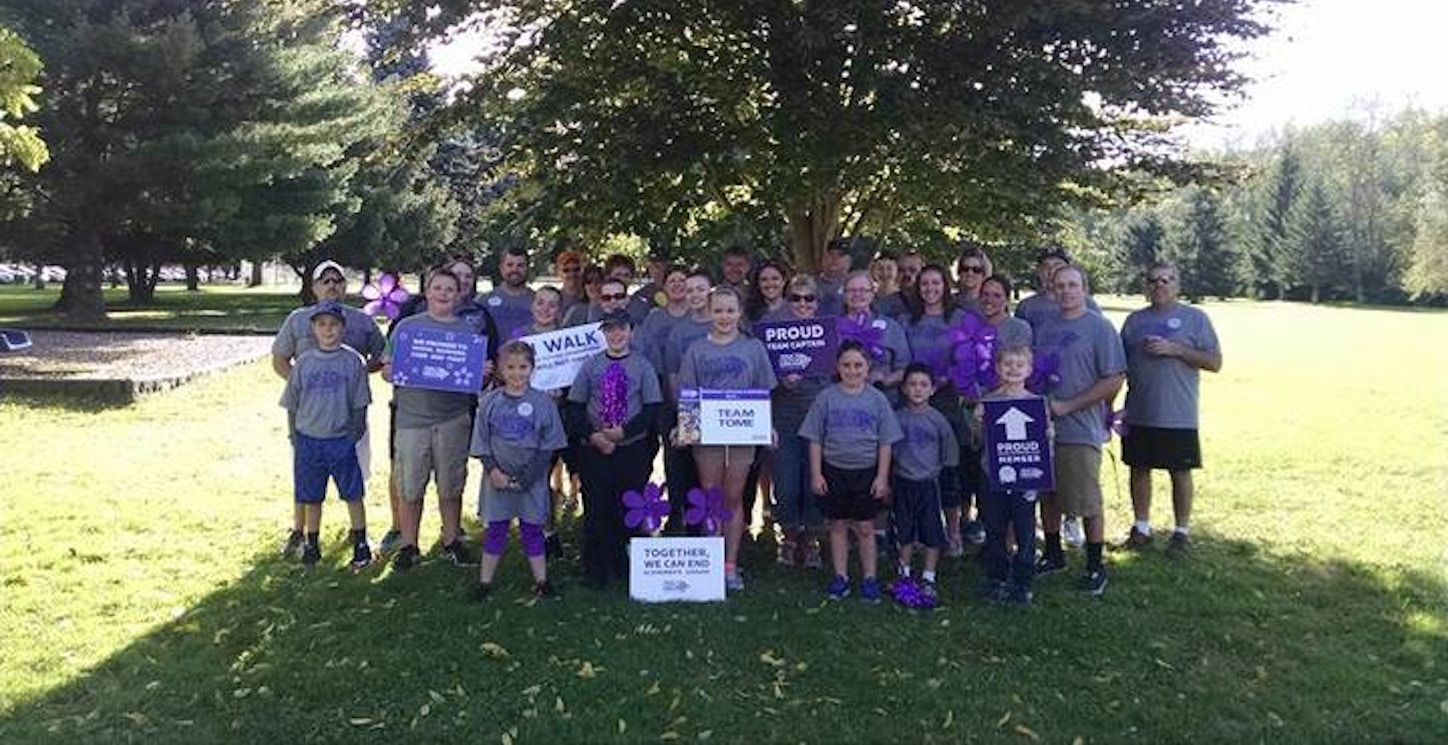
x=387 y=371
x=1058 y=408
x=880 y=489
x=488 y=369
x=498 y=479
x=608 y=447
x=773 y=439
x=614 y=434
x=1162 y=347
x=818 y=486
x=791 y=381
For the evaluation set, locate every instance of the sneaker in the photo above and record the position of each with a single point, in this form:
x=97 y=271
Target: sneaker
x=293 y=545
x=993 y=592
x=361 y=555
x=734 y=582
x=974 y=532
x=553 y=547
x=482 y=592
x=457 y=551
x=1179 y=545
x=406 y=558
x=787 y=553
x=928 y=594
x=389 y=542
x=1092 y=583
x=812 y=557
x=311 y=555
x=1018 y=595
x=955 y=548
x=545 y=591
x=1072 y=533
x=870 y=590
x=1137 y=540
x=839 y=588
x=1049 y=564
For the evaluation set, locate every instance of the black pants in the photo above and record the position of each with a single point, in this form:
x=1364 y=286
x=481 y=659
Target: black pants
x=605 y=478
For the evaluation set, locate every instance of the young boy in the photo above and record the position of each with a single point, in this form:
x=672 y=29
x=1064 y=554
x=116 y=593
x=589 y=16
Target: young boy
x=326 y=400
x=930 y=446
x=1008 y=578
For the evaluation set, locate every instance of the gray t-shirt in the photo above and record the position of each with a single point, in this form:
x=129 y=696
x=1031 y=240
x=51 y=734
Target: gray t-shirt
x=1012 y=332
x=1162 y=391
x=851 y=427
x=512 y=433
x=831 y=296
x=643 y=387
x=324 y=389
x=929 y=338
x=359 y=332
x=741 y=363
x=891 y=306
x=420 y=407
x=651 y=336
x=642 y=302
x=581 y=313
x=510 y=312
x=1040 y=309
x=1089 y=349
x=929 y=445
x=892 y=339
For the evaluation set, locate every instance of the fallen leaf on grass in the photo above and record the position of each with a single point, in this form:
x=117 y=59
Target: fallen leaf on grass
x=587 y=671
x=706 y=734
x=435 y=696
x=949 y=719
x=1004 y=719
x=622 y=726
x=494 y=650
x=137 y=718
x=768 y=658
x=1025 y=731
x=359 y=721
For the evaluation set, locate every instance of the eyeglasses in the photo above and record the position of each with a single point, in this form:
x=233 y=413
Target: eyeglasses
x=802 y=298
x=331 y=281
x=973 y=269
x=1159 y=280
x=615 y=296
x=858 y=290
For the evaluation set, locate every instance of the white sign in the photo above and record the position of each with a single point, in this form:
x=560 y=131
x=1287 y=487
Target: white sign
x=559 y=354
x=664 y=570
x=734 y=417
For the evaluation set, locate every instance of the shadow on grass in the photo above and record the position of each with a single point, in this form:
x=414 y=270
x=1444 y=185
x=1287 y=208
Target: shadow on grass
x=171 y=309
x=76 y=404
x=1232 y=644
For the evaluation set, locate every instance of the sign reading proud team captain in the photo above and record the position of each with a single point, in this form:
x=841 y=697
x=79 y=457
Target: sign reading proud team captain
x=560 y=353
x=710 y=417
x=804 y=346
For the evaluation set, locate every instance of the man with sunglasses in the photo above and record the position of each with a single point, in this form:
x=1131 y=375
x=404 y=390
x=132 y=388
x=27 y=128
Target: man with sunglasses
x=359 y=332
x=1167 y=345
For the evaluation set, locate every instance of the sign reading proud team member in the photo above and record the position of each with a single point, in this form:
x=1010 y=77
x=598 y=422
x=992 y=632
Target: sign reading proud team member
x=1017 y=444
x=560 y=353
x=801 y=347
x=439 y=359
x=710 y=417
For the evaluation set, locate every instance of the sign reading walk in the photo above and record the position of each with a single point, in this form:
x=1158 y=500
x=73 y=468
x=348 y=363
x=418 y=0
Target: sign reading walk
x=1018 y=450
x=439 y=360
x=559 y=354
x=676 y=569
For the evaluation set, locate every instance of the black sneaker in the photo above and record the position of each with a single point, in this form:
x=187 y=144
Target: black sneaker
x=993 y=592
x=482 y=592
x=361 y=555
x=406 y=558
x=1179 y=546
x=293 y=545
x=1049 y=564
x=545 y=591
x=553 y=547
x=457 y=551
x=311 y=554
x=1092 y=583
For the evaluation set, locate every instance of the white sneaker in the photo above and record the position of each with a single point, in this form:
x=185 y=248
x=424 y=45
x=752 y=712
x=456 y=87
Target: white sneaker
x=1072 y=533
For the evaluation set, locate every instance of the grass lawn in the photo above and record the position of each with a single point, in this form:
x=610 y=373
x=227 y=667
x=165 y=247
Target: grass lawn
x=213 y=307
x=142 y=599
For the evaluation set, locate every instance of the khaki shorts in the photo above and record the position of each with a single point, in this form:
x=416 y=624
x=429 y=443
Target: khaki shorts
x=440 y=450
x=1078 y=480
x=734 y=459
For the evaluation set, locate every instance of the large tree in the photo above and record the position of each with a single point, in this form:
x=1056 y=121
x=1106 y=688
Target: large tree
x=654 y=116
x=20 y=144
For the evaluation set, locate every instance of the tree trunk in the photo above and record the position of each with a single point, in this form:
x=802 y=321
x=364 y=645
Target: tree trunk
x=1316 y=293
x=140 y=285
x=255 y=280
x=39 y=276
x=80 y=297
x=811 y=228
x=193 y=277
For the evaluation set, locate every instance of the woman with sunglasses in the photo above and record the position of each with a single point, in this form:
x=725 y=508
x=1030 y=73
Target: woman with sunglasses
x=605 y=295
x=971 y=269
x=796 y=510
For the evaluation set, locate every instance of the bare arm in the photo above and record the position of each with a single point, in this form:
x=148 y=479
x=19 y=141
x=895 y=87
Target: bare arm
x=282 y=366
x=1104 y=389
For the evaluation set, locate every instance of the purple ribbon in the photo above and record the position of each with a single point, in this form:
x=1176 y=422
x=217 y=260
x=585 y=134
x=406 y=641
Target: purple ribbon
x=973 y=343
x=647 y=509
x=864 y=332
x=613 y=395
x=385 y=298
x=1045 y=372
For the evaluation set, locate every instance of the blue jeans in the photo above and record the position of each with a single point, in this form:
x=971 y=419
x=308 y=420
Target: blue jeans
x=1002 y=511
x=794 y=504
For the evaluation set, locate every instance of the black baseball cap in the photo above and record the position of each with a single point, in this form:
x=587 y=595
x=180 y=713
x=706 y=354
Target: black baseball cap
x=1054 y=252
x=616 y=318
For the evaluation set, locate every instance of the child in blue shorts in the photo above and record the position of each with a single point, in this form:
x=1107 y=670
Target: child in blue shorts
x=326 y=400
x=929 y=447
x=1008 y=576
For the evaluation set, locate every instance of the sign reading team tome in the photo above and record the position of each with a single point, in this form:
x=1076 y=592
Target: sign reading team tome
x=1018 y=449
x=711 y=417
x=801 y=347
x=439 y=360
x=671 y=569
x=560 y=353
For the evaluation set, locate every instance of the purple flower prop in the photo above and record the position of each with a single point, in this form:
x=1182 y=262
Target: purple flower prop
x=706 y=508
x=1115 y=421
x=646 y=510
x=385 y=298
x=973 y=341
x=1045 y=372
x=862 y=330
x=613 y=396
x=909 y=594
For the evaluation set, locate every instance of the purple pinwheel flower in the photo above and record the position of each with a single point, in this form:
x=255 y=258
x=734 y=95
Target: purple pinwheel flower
x=973 y=341
x=706 y=508
x=646 y=510
x=910 y=595
x=613 y=396
x=1115 y=422
x=1045 y=372
x=864 y=331
x=385 y=298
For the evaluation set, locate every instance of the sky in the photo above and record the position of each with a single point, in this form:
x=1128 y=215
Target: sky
x=1327 y=59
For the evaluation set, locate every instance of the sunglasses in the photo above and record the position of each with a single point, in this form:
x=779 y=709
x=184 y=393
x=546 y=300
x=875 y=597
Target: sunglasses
x=1159 y=280
x=973 y=269
x=801 y=298
x=331 y=281
x=615 y=296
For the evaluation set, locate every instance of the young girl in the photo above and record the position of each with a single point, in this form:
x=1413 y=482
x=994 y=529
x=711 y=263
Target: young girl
x=515 y=432
x=851 y=430
x=1008 y=578
x=727 y=360
x=929 y=447
x=613 y=404
x=680 y=334
x=547 y=302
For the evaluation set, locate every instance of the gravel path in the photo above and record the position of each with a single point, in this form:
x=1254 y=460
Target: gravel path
x=67 y=355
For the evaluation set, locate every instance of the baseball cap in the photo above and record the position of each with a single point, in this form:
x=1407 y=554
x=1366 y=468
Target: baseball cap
x=839 y=245
x=1054 y=252
x=324 y=266
x=328 y=309
x=616 y=318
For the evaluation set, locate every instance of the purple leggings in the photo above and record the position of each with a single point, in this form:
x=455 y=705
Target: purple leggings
x=496 y=538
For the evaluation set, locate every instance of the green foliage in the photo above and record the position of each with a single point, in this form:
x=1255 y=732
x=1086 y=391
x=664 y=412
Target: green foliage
x=1428 y=276
x=19 y=65
x=1206 y=255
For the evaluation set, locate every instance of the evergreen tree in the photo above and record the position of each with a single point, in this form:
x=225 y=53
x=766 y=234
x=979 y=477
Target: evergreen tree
x=1145 y=236
x=1270 y=250
x=1318 y=252
x=1208 y=260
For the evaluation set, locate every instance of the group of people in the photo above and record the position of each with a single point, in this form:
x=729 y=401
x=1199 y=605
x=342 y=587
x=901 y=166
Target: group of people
x=884 y=453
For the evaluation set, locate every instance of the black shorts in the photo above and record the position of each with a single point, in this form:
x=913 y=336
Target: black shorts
x=915 y=508
x=1155 y=447
x=847 y=494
